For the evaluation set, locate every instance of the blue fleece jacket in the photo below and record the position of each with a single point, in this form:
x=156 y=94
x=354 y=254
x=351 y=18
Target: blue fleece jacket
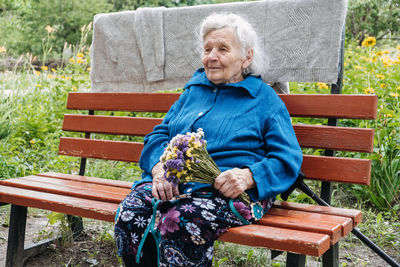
x=245 y=124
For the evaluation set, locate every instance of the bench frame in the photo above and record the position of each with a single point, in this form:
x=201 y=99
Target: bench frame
x=295 y=103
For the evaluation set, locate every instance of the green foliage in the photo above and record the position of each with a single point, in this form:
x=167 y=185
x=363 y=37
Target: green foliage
x=372 y=17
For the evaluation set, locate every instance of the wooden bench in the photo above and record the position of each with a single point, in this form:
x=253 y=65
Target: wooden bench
x=297 y=228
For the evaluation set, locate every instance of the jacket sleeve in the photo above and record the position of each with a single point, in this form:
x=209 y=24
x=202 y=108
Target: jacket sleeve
x=156 y=141
x=281 y=166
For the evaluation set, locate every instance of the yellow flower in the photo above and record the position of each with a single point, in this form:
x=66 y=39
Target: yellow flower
x=358 y=67
x=379 y=53
x=79 y=60
x=322 y=85
x=385 y=52
x=50 y=76
x=80 y=55
x=72 y=60
x=383 y=85
x=380 y=76
x=394 y=94
x=74 y=89
x=44 y=68
x=68 y=78
x=53 y=70
x=38 y=85
x=389 y=115
x=49 y=29
x=369 y=42
x=398 y=47
x=32 y=141
x=3 y=49
x=88 y=69
x=369 y=91
x=37 y=72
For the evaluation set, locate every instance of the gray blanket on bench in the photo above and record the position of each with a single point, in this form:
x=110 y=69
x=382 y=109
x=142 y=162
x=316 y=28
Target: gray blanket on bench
x=156 y=48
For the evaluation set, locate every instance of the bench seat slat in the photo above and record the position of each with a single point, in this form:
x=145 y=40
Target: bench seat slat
x=65 y=204
x=353 y=214
x=313 y=244
x=334 y=230
x=322 y=106
x=87 y=179
x=345 y=222
x=69 y=188
x=310 y=136
x=333 y=169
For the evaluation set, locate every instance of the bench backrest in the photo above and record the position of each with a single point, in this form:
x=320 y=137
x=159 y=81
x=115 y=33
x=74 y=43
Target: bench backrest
x=325 y=168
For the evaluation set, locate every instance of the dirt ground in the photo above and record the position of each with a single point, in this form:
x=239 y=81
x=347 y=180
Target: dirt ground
x=96 y=246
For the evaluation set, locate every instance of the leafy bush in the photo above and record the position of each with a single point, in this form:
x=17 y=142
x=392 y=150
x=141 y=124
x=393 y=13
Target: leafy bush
x=373 y=18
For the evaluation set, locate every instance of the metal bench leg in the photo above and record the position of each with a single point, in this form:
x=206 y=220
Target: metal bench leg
x=295 y=260
x=76 y=224
x=16 y=236
x=331 y=257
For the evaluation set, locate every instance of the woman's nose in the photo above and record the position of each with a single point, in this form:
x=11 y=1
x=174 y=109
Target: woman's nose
x=213 y=55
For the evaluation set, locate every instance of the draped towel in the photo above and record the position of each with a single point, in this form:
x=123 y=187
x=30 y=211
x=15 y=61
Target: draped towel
x=154 y=49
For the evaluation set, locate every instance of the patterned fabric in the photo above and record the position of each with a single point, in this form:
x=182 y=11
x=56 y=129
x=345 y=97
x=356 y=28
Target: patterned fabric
x=184 y=228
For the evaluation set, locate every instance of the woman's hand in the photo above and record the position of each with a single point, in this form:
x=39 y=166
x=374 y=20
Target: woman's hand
x=162 y=189
x=232 y=183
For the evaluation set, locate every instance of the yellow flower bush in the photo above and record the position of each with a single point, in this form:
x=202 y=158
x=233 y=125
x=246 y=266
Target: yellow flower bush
x=323 y=86
x=369 y=91
x=3 y=49
x=369 y=42
x=44 y=68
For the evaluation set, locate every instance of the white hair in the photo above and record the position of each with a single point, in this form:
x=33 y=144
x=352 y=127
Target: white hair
x=245 y=34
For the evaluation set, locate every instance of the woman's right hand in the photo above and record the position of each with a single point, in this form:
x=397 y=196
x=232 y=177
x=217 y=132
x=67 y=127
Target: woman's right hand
x=162 y=189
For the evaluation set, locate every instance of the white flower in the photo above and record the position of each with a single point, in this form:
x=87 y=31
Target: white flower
x=127 y=215
x=208 y=215
x=140 y=221
x=209 y=253
x=134 y=237
x=193 y=229
x=204 y=203
x=220 y=200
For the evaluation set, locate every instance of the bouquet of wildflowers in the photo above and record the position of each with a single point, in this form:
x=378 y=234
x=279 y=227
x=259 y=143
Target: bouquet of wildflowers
x=186 y=159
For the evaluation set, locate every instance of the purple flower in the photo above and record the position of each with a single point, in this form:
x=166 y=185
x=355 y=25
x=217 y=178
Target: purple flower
x=169 y=221
x=242 y=209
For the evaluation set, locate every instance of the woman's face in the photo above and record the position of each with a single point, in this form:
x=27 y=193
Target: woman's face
x=222 y=58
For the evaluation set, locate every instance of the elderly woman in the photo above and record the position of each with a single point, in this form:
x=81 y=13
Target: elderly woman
x=250 y=137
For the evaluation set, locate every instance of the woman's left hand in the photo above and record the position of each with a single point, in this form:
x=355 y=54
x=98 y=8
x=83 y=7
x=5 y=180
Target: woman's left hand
x=232 y=183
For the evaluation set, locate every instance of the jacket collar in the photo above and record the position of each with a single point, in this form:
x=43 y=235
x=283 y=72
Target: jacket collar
x=252 y=84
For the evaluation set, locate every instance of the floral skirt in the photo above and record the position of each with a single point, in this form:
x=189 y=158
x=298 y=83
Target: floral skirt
x=184 y=228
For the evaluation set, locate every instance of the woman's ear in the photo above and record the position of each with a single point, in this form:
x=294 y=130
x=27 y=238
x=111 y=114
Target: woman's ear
x=249 y=58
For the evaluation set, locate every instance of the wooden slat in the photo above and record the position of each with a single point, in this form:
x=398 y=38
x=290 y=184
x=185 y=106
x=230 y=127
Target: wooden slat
x=310 y=136
x=65 y=204
x=324 y=106
x=100 y=149
x=334 y=169
x=109 y=125
x=151 y=102
x=88 y=179
x=337 y=169
x=69 y=188
x=353 y=214
x=314 y=222
x=335 y=138
x=334 y=230
x=332 y=106
x=312 y=244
